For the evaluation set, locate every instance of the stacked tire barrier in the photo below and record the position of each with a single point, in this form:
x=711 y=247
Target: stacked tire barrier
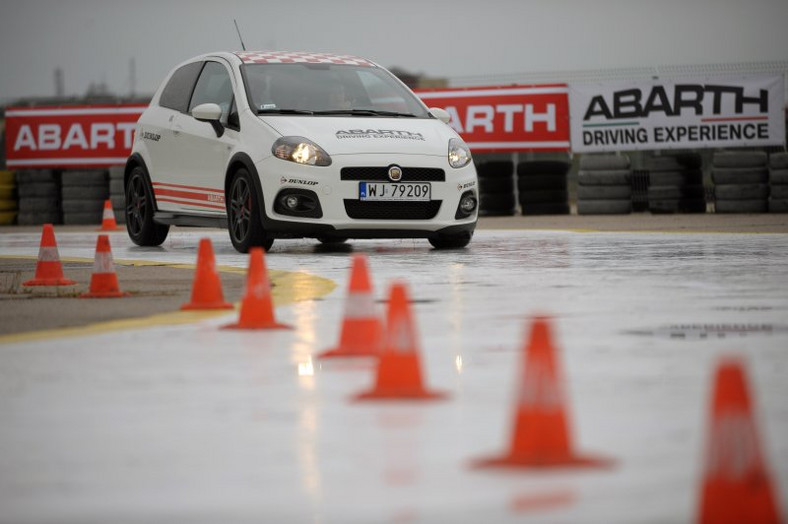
x=496 y=188
x=117 y=193
x=604 y=185
x=84 y=193
x=542 y=187
x=778 y=183
x=8 y=200
x=676 y=184
x=740 y=182
x=39 y=197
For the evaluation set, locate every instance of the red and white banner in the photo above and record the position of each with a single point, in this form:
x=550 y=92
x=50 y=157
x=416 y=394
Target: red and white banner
x=512 y=118
x=75 y=136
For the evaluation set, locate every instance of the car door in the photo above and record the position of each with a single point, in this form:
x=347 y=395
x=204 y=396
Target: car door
x=163 y=141
x=198 y=177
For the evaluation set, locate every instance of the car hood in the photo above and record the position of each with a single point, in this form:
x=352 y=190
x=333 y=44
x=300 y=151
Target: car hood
x=374 y=135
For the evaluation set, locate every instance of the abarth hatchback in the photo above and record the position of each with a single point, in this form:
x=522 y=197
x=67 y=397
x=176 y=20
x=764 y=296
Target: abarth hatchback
x=277 y=145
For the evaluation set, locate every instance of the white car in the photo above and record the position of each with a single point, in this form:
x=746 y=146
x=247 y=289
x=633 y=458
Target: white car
x=292 y=145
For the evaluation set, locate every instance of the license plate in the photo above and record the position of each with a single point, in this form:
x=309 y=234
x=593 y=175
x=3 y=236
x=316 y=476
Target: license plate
x=404 y=191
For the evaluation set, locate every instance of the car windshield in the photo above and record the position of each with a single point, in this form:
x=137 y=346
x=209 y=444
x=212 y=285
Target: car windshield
x=330 y=89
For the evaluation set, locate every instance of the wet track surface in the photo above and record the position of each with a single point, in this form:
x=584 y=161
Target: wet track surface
x=188 y=423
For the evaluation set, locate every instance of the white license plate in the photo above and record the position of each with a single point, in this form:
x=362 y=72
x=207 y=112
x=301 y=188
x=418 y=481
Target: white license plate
x=402 y=191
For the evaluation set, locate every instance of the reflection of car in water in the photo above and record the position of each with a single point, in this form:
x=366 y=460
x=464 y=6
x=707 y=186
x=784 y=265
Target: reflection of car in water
x=287 y=145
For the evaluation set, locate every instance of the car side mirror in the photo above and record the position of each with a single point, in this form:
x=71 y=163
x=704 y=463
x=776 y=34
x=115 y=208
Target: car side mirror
x=440 y=114
x=210 y=113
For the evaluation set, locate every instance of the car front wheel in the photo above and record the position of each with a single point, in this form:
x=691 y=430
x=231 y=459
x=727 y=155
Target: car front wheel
x=244 y=219
x=451 y=241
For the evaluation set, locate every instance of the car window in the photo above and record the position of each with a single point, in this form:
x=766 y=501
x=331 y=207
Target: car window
x=326 y=87
x=214 y=86
x=178 y=90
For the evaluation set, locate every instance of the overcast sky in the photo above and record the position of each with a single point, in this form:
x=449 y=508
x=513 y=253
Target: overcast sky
x=94 y=40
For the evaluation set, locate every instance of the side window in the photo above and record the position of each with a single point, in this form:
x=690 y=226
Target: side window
x=214 y=86
x=178 y=90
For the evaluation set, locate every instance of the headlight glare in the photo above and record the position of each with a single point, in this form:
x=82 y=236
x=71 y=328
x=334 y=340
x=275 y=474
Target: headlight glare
x=301 y=151
x=459 y=154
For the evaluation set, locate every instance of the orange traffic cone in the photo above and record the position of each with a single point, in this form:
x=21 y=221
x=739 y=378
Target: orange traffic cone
x=103 y=281
x=361 y=327
x=207 y=288
x=49 y=271
x=108 y=222
x=399 y=369
x=257 y=309
x=736 y=487
x=542 y=437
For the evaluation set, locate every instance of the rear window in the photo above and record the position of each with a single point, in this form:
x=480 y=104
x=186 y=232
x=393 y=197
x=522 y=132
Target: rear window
x=178 y=91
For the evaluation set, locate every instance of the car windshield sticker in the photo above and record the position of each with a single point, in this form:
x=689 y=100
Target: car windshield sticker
x=282 y=57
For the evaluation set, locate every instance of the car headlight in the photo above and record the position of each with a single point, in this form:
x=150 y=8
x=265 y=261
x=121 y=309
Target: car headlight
x=459 y=154
x=301 y=151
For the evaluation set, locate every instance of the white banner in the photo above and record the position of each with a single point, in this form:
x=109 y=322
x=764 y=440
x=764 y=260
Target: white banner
x=677 y=114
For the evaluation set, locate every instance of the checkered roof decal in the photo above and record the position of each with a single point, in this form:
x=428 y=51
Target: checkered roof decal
x=287 y=57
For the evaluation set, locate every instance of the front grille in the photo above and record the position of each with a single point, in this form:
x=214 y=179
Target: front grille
x=392 y=210
x=409 y=174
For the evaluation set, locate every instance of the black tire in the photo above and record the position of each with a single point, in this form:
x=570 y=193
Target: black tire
x=496 y=185
x=117 y=172
x=116 y=186
x=604 y=162
x=778 y=176
x=35 y=218
x=451 y=241
x=39 y=205
x=82 y=218
x=544 y=196
x=691 y=177
x=604 y=192
x=777 y=205
x=38 y=190
x=739 y=175
x=496 y=201
x=84 y=178
x=543 y=167
x=244 y=218
x=140 y=208
x=676 y=192
x=495 y=168
x=778 y=192
x=678 y=205
x=604 y=207
x=741 y=192
x=118 y=201
x=778 y=160
x=85 y=192
x=497 y=212
x=741 y=206
x=554 y=208
x=678 y=162
x=614 y=177
x=33 y=176
x=83 y=206
x=529 y=182
x=739 y=159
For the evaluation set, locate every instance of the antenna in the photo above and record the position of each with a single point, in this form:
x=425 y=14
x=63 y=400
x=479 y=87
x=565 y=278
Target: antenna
x=239 y=34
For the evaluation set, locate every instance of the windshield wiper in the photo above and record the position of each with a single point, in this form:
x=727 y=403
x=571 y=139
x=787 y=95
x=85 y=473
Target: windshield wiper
x=284 y=112
x=364 y=112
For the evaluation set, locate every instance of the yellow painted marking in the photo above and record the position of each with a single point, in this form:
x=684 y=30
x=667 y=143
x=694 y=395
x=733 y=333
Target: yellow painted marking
x=288 y=287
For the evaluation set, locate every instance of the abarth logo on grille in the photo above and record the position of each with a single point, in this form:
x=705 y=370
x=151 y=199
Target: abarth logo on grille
x=395 y=173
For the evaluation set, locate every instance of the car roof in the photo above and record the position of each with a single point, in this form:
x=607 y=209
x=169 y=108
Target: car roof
x=300 y=57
